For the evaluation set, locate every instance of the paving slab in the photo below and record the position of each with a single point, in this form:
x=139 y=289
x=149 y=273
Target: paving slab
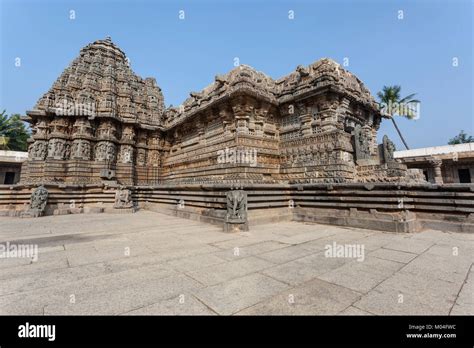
x=229 y=270
x=393 y=255
x=183 y=304
x=250 y=250
x=286 y=254
x=118 y=301
x=315 y=297
x=409 y=294
x=153 y=264
x=235 y=295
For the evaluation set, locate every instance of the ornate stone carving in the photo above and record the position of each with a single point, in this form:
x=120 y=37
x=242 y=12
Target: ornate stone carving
x=126 y=154
x=38 y=150
x=236 y=206
x=317 y=124
x=38 y=201
x=123 y=198
x=388 y=149
x=81 y=149
x=105 y=151
x=58 y=149
x=141 y=157
x=362 y=143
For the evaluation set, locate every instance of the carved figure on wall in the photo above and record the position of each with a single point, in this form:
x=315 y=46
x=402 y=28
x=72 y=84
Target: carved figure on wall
x=81 y=149
x=38 y=201
x=105 y=151
x=362 y=143
x=141 y=157
x=388 y=149
x=123 y=198
x=126 y=154
x=236 y=206
x=38 y=150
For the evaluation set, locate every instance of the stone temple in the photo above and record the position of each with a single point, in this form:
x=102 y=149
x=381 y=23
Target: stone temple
x=245 y=150
x=100 y=121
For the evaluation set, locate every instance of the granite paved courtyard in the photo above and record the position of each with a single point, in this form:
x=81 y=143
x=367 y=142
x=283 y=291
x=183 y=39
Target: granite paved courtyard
x=150 y=264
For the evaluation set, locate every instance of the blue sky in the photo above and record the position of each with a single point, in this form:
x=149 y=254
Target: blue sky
x=415 y=52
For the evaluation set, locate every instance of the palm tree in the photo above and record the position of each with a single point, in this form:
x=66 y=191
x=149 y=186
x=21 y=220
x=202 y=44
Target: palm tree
x=390 y=97
x=13 y=133
x=461 y=138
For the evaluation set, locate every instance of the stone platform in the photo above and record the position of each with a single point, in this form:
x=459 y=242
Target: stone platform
x=151 y=263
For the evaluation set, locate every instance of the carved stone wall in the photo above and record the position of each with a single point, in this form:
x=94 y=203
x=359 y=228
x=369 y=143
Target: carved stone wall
x=100 y=121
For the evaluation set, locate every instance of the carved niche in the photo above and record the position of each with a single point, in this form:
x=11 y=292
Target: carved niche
x=81 y=149
x=123 y=198
x=126 y=154
x=105 y=151
x=388 y=149
x=58 y=149
x=362 y=143
x=38 y=150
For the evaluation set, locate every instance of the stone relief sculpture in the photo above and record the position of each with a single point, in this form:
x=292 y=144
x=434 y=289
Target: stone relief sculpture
x=105 y=151
x=388 y=149
x=123 y=198
x=38 y=201
x=236 y=216
x=38 y=150
x=80 y=149
x=236 y=205
x=362 y=143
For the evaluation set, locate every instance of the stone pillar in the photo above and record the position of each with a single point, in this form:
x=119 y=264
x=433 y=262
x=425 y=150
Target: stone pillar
x=436 y=164
x=328 y=114
x=82 y=133
x=242 y=116
x=201 y=131
x=306 y=119
x=260 y=116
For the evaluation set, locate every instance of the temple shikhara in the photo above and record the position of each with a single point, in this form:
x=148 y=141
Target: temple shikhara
x=101 y=122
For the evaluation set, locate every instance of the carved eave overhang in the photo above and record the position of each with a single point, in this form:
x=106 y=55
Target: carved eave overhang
x=323 y=76
x=239 y=89
x=243 y=80
x=37 y=113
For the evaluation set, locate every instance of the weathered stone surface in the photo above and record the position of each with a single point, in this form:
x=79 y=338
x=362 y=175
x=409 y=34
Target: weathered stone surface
x=393 y=255
x=184 y=304
x=167 y=266
x=406 y=293
x=100 y=122
x=229 y=270
x=236 y=294
x=314 y=297
x=38 y=201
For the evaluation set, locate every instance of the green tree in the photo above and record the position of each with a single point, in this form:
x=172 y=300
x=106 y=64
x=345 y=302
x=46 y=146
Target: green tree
x=13 y=133
x=394 y=105
x=461 y=138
